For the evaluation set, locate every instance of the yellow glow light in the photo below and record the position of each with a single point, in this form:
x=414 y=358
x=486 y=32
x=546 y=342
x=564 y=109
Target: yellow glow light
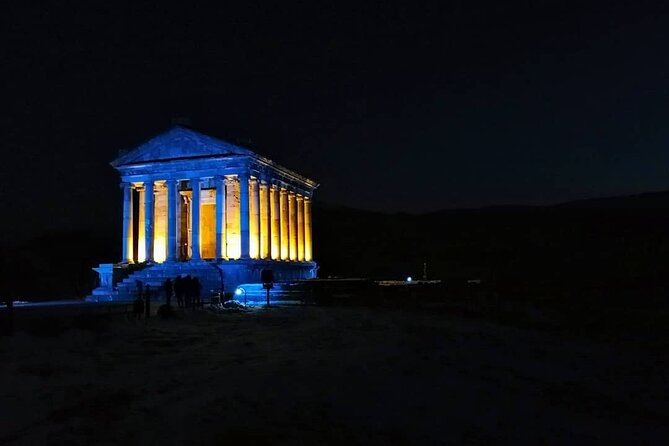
x=160 y=224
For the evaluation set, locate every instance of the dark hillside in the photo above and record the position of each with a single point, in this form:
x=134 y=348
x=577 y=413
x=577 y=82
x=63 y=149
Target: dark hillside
x=615 y=247
x=610 y=248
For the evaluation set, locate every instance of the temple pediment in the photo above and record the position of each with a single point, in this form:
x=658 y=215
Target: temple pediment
x=179 y=143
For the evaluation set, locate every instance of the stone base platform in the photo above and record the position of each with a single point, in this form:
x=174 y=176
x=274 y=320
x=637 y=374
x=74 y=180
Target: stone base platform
x=119 y=281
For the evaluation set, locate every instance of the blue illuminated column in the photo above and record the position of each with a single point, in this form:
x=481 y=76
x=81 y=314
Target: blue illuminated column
x=300 y=227
x=267 y=219
x=308 y=255
x=244 y=214
x=195 y=212
x=148 y=220
x=255 y=217
x=127 y=222
x=172 y=197
x=292 y=225
x=276 y=222
x=285 y=226
x=220 y=216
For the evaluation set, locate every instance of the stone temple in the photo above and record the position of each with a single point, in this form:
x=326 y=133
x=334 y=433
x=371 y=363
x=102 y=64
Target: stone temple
x=197 y=205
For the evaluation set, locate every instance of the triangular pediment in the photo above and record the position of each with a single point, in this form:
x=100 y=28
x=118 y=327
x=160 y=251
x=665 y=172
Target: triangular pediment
x=179 y=143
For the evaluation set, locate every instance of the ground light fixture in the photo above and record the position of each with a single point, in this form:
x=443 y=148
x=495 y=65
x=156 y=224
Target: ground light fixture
x=239 y=291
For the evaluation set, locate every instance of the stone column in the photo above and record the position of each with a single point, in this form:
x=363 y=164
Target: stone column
x=266 y=221
x=292 y=224
x=275 y=222
x=220 y=217
x=127 y=223
x=262 y=252
x=254 y=212
x=308 y=256
x=172 y=202
x=148 y=220
x=195 y=213
x=231 y=247
x=140 y=255
x=244 y=215
x=300 y=228
x=285 y=227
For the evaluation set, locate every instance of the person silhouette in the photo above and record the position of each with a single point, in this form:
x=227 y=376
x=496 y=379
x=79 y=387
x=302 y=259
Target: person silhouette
x=138 y=284
x=138 y=308
x=188 y=290
x=169 y=288
x=197 y=290
x=179 y=291
x=147 y=301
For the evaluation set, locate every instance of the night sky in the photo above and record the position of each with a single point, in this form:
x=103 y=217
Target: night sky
x=403 y=107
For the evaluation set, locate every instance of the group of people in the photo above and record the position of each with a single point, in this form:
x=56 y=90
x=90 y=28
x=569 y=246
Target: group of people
x=186 y=289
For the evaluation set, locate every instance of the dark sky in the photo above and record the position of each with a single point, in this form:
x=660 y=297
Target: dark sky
x=407 y=106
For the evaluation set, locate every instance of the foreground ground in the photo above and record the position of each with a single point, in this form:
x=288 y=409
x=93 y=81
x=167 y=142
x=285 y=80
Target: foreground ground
x=310 y=375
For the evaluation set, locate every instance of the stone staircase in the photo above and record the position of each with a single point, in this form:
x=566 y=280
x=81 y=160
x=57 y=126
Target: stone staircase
x=156 y=275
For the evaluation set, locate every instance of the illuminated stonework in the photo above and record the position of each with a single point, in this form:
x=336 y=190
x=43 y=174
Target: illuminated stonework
x=188 y=197
x=160 y=226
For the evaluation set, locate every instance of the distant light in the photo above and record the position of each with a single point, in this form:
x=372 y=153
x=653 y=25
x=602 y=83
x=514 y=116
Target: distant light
x=409 y=279
x=238 y=291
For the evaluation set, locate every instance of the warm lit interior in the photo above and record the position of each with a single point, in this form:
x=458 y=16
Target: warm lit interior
x=279 y=226
x=264 y=221
x=254 y=213
x=208 y=223
x=141 y=246
x=160 y=223
x=233 y=246
x=283 y=210
x=307 y=230
x=130 y=256
x=292 y=222
x=275 y=222
x=300 y=228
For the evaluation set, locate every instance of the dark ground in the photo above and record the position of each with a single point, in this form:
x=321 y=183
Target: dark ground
x=326 y=375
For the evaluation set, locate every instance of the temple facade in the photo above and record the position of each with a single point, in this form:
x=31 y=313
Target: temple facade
x=197 y=205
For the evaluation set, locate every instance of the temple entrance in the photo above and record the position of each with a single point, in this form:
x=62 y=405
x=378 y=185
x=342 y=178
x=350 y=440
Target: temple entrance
x=184 y=234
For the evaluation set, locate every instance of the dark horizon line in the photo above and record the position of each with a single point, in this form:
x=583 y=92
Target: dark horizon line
x=583 y=203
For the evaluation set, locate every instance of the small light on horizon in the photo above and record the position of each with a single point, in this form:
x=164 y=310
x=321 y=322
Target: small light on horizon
x=409 y=279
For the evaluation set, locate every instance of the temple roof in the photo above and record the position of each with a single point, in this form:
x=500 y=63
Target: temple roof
x=182 y=144
x=179 y=143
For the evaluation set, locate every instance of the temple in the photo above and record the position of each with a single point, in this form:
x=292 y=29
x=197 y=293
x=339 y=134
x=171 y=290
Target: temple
x=197 y=205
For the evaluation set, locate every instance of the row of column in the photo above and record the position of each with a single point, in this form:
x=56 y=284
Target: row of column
x=260 y=221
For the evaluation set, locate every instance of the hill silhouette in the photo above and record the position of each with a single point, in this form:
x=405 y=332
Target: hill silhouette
x=599 y=248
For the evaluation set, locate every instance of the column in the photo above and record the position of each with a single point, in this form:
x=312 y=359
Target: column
x=172 y=201
x=244 y=215
x=148 y=220
x=141 y=226
x=220 y=217
x=195 y=223
x=231 y=248
x=264 y=211
x=266 y=221
x=308 y=257
x=275 y=222
x=300 y=228
x=283 y=210
x=127 y=222
x=254 y=213
x=292 y=224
